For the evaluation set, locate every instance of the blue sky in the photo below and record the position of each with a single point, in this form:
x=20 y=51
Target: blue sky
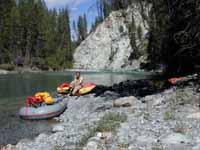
x=76 y=7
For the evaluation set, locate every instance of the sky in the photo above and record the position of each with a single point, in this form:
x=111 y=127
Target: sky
x=76 y=8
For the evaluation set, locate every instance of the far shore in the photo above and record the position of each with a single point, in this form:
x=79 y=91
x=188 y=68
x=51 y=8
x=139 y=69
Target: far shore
x=36 y=70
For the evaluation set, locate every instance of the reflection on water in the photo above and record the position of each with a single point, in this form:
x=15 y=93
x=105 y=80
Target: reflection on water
x=14 y=88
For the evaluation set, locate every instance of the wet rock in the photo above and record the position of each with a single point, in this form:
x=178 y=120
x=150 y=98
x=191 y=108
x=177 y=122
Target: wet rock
x=58 y=128
x=110 y=94
x=124 y=102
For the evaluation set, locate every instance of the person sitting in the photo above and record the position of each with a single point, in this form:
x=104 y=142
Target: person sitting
x=77 y=84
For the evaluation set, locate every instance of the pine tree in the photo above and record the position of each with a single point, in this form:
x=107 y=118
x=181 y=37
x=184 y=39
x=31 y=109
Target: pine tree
x=80 y=26
x=31 y=32
x=5 y=29
x=85 y=26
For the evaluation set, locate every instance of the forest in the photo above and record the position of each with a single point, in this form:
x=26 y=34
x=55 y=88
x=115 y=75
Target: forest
x=31 y=34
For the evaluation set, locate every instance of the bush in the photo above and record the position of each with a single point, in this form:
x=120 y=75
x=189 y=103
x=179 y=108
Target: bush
x=52 y=62
x=108 y=123
x=39 y=63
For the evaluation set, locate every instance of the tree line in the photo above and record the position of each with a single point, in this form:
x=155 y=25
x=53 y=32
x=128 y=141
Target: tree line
x=33 y=35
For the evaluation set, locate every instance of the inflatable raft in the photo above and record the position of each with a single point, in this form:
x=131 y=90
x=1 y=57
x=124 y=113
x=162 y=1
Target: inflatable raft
x=43 y=112
x=65 y=88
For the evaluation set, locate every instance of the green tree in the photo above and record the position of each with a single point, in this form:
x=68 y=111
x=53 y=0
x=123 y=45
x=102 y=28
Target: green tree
x=5 y=29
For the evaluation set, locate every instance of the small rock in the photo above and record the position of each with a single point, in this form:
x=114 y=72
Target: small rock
x=35 y=68
x=104 y=107
x=146 y=139
x=106 y=135
x=176 y=138
x=197 y=147
x=194 y=116
x=99 y=134
x=157 y=101
x=148 y=98
x=58 y=128
x=124 y=102
x=91 y=146
x=7 y=147
x=110 y=94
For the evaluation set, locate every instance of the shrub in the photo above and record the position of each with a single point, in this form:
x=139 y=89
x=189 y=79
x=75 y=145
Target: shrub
x=108 y=123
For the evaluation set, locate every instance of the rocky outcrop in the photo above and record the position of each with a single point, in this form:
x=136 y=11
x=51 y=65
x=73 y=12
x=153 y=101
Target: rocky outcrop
x=110 y=45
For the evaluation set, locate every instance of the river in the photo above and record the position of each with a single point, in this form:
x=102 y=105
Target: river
x=14 y=88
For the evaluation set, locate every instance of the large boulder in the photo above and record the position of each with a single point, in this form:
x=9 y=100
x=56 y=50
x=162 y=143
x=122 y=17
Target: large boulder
x=109 y=46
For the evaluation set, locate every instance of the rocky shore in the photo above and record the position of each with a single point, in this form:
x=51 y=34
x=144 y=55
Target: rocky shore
x=163 y=120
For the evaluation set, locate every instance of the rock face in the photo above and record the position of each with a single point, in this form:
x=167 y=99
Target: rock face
x=109 y=46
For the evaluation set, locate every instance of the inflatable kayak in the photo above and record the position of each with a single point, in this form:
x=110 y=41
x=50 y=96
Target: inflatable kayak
x=43 y=112
x=65 y=88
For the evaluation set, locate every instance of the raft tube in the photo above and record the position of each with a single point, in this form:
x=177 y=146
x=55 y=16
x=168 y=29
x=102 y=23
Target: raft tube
x=87 y=87
x=64 y=88
x=43 y=112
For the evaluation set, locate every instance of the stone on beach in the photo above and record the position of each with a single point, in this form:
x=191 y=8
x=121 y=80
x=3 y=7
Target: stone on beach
x=124 y=102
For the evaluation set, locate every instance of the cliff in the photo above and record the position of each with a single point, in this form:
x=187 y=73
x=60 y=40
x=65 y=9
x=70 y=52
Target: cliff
x=116 y=41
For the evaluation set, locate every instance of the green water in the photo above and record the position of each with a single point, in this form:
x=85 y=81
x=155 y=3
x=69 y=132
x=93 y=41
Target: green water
x=14 y=88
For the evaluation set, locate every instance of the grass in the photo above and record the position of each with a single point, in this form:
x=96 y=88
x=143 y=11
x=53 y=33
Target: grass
x=123 y=146
x=168 y=116
x=146 y=116
x=108 y=123
x=57 y=147
x=157 y=146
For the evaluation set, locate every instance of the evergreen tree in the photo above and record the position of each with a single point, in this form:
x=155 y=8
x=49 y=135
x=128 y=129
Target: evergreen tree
x=5 y=30
x=81 y=32
x=85 y=26
x=31 y=32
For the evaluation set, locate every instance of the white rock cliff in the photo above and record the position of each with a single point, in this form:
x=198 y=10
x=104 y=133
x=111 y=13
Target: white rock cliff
x=109 y=46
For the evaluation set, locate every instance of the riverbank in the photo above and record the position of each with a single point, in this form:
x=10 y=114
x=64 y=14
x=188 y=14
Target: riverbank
x=164 y=120
x=20 y=70
x=27 y=69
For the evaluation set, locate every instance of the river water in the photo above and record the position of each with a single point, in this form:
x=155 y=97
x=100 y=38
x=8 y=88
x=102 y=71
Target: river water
x=14 y=88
